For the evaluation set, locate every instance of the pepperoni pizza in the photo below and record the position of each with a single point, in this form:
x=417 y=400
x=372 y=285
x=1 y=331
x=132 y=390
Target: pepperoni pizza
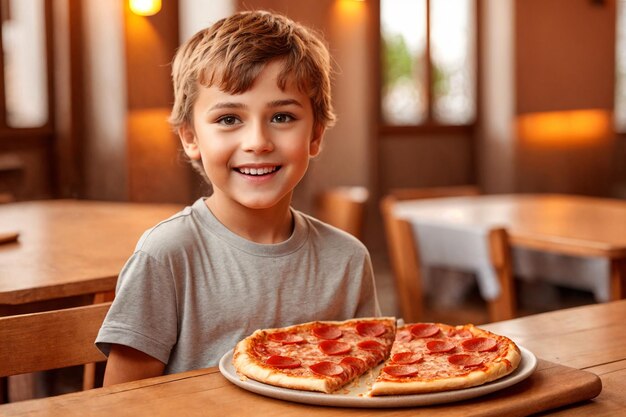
x=418 y=358
x=315 y=356
x=430 y=357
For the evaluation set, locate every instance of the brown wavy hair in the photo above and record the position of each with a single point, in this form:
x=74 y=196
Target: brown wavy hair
x=231 y=53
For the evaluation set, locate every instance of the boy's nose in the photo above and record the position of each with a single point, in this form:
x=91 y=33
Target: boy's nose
x=258 y=139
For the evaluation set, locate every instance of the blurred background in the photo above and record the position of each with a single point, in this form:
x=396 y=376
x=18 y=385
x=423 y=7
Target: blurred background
x=512 y=95
x=508 y=96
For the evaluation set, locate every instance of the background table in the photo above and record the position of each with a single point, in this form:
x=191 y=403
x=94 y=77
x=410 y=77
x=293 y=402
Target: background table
x=68 y=247
x=567 y=224
x=590 y=337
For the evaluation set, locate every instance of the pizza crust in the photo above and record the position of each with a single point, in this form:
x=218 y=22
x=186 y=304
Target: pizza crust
x=474 y=378
x=248 y=366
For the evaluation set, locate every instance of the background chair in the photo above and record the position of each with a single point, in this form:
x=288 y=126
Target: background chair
x=434 y=192
x=51 y=339
x=404 y=256
x=343 y=207
x=6 y=198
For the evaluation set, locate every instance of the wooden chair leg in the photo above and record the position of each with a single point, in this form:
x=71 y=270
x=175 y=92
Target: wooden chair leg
x=89 y=370
x=89 y=376
x=503 y=307
x=618 y=279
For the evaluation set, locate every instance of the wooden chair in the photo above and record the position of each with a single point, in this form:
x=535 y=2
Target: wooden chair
x=343 y=207
x=434 y=192
x=51 y=339
x=6 y=198
x=404 y=256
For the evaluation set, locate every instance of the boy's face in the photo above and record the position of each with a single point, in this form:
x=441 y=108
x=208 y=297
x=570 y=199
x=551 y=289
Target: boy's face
x=255 y=146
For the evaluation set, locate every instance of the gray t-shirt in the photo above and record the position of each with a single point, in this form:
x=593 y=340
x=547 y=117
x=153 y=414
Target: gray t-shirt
x=192 y=289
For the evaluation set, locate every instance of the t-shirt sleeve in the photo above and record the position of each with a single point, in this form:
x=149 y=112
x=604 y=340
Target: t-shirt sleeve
x=368 y=302
x=144 y=313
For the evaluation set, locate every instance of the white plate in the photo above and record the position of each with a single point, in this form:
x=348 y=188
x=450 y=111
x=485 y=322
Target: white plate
x=350 y=396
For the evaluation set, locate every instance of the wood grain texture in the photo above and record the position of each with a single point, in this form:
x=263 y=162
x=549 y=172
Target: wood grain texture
x=50 y=340
x=197 y=392
x=70 y=247
x=589 y=343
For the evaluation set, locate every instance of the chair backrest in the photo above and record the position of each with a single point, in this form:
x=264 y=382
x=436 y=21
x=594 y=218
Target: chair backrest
x=404 y=255
x=6 y=198
x=434 y=192
x=343 y=207
x=50 y=340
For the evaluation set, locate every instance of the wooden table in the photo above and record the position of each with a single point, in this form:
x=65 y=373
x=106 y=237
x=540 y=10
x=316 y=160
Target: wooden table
x=567 y=224
x=591 y=338
x=69 y=247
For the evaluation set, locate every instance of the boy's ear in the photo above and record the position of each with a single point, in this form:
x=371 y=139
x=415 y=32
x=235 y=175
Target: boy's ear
x=316 y=140
x=190 y=143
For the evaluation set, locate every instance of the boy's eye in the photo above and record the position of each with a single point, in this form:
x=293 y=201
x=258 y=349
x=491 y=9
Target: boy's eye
x=282 y=118
x=228 y=120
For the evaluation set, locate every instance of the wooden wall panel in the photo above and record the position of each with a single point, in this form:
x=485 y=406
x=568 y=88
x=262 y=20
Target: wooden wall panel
x=156 y=170
x=565 y=55
x=565 y=60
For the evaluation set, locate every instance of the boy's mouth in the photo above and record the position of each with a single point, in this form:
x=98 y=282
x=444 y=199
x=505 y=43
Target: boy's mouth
x=258 y=171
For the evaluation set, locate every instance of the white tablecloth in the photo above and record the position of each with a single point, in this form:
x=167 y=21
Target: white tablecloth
x=462 y=247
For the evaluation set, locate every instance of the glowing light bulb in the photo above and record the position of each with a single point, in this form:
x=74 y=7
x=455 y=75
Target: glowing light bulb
x=145 y=7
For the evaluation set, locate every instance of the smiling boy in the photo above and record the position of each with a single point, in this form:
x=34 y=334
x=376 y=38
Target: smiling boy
x=252 y=103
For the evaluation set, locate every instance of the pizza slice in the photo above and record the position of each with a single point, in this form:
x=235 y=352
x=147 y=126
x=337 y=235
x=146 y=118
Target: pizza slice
x=315 y=356
x=431 y=357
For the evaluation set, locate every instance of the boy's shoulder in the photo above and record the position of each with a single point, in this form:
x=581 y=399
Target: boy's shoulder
x=171 y=231
x=330 y=235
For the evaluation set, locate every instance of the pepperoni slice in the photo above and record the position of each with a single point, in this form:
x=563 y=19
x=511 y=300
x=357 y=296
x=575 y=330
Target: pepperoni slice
x=440 y=346
x=285 y=338
x=326 y=369
x=401 y=370
x=370 y=345
x=282 y=362
x=353 y=366
x=370 y=329
x=422 y=330
x=333 y=347
x=480 y=344
x=465 y=360
x=356 y=363
x=406 y=358
x=327 y=332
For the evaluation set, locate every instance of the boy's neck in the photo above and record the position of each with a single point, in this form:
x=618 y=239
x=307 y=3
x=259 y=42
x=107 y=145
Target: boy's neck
x=266 y=226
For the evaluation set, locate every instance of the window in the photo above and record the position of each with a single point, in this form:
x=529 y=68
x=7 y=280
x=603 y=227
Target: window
x=24 y=63
x=428 y=62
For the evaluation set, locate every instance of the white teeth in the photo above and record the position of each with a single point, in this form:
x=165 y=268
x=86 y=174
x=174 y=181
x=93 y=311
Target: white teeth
x=257 y=171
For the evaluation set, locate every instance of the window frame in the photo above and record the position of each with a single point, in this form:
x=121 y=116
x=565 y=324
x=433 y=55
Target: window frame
x=430 y=126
